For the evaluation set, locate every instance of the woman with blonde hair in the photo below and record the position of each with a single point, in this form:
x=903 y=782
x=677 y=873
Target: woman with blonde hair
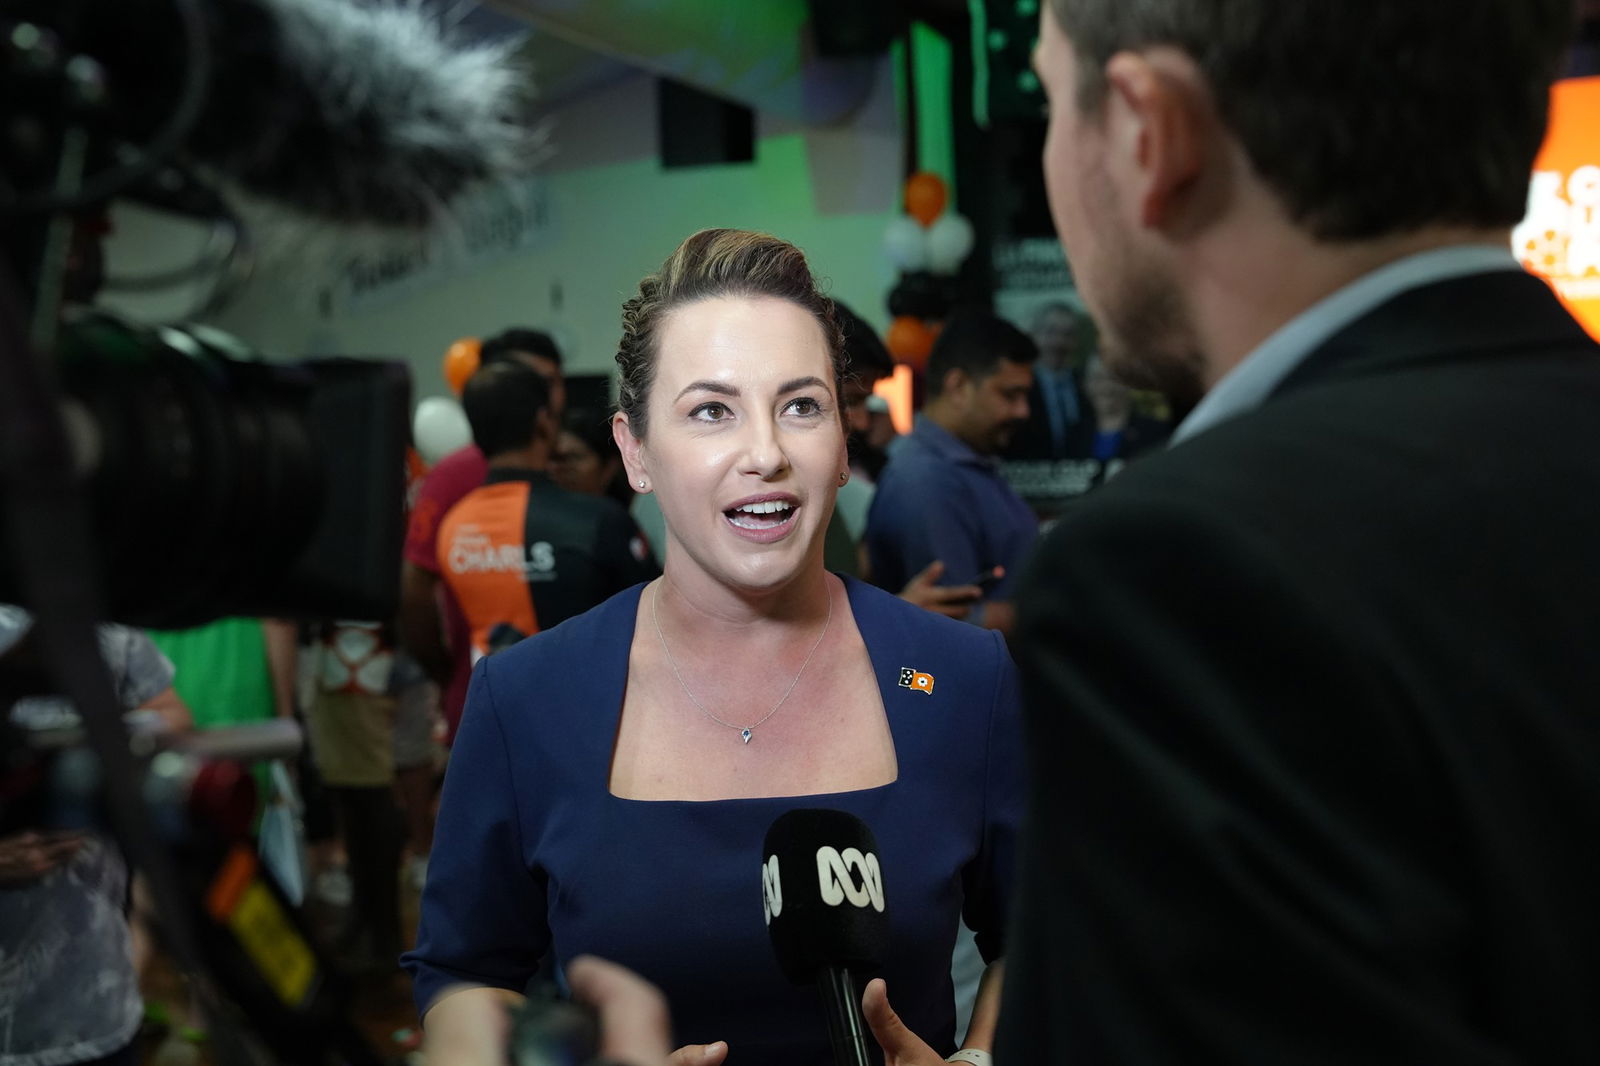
x=614 y=776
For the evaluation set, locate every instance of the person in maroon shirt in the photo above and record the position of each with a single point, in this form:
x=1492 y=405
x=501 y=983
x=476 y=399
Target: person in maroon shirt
x=432 y=627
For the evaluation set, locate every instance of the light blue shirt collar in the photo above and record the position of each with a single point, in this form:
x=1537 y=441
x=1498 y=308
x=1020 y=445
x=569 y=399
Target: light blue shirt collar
x=1247 y=386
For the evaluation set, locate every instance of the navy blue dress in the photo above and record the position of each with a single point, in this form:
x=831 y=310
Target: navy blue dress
x=533 y=851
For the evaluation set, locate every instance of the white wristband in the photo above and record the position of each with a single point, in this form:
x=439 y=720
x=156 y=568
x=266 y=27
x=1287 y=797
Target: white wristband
x=975 y=1056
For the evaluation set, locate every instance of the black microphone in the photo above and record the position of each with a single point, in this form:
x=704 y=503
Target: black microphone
x=822 y=895
x=351 y=111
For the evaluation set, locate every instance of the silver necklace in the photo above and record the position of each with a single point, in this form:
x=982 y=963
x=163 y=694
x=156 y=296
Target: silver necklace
x=744 y=731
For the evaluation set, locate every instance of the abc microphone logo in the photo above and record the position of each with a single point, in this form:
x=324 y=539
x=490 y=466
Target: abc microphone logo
x=849 y=875
x=771 y=889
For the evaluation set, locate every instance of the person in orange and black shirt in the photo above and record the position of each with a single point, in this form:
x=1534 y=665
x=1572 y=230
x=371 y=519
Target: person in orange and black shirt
x=522 y=554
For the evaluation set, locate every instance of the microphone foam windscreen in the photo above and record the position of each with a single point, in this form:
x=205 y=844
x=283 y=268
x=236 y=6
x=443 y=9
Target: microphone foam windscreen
x=822 y=894
x=363 y=112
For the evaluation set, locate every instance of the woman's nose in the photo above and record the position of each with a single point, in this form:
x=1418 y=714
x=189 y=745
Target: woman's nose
x=764 y=454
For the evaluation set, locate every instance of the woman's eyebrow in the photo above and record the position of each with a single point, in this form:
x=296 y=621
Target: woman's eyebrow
x=802 y=383
x=708 y=386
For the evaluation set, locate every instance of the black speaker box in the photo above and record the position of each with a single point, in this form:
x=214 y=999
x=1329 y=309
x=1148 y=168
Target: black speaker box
x=698 y=129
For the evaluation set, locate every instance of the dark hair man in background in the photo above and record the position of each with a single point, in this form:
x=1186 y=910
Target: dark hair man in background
x=1312 y=693
x=423 y=625
x=520 y=554
x=941 y=498
x=869 y=363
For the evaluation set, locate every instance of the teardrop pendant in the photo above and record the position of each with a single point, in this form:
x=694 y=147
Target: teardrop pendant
x=746 y=736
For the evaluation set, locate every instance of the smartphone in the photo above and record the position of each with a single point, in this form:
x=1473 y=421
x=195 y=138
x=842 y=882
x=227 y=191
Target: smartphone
x=547 y=1031
x=988 y=579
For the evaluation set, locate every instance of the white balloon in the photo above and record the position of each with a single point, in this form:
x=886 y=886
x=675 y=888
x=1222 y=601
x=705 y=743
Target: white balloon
x=438 y=428
x=906 y=243
x=949 y=240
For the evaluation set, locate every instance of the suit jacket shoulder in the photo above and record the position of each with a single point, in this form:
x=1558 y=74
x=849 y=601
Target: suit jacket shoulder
x=1310 y=715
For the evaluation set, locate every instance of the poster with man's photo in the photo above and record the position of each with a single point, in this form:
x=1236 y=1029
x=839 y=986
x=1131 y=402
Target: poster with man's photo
x=1083 y=425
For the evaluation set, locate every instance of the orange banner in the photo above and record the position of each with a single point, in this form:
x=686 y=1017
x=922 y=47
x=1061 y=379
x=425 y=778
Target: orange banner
x=1560 y=237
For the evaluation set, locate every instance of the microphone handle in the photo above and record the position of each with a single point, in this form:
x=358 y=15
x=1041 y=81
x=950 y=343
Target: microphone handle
x=841 y=1004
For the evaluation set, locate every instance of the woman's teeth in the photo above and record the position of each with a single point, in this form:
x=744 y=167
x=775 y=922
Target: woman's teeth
x=762 y=515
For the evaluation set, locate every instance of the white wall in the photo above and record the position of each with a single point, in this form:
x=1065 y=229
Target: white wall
x=614 y=214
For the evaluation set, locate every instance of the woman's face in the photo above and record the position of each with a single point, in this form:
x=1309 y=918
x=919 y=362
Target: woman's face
x=576 y=468
x=745 y=445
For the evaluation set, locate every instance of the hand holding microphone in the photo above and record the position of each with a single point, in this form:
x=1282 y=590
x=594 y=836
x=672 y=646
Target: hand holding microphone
x=901 y=1047
x=822 y=895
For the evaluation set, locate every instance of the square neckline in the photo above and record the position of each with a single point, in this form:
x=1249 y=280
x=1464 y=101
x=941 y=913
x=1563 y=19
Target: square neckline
x=852 y=585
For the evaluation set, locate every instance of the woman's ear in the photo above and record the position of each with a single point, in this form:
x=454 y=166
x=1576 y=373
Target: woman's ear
x=632 y=449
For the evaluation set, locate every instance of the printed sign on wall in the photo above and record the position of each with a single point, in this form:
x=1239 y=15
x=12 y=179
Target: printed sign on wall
x=483 y=227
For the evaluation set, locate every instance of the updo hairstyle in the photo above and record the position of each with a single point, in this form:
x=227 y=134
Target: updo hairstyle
x=715 y=263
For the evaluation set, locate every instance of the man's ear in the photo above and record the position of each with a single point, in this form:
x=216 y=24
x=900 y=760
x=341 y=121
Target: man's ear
x=955 y=382
x=1159 y=109
x=632 y=449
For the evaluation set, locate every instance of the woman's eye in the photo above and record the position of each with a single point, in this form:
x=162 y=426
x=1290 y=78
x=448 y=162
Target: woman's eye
x=710 y=412
x=805 y=406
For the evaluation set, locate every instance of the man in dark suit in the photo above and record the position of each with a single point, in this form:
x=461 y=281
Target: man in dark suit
x=1314 y=694
x=1058 y=414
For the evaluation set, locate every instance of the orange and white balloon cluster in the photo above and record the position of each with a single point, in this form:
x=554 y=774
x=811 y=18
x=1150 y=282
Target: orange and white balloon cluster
x=928 y=245
x=439 y=425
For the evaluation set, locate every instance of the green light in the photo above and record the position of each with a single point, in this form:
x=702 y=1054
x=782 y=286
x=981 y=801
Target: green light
x=936 y=151
x=980 y=62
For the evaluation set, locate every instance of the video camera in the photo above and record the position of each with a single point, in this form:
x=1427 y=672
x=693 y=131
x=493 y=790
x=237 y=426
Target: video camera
x=163 y=475
x=217 y=483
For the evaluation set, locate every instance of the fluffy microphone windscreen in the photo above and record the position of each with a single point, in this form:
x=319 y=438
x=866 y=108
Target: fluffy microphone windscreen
x=380 y=114
x=822 y=894
x=365 y=112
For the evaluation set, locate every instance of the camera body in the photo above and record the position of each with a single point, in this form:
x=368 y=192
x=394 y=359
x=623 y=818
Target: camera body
x=220 y=485
x=216 y=483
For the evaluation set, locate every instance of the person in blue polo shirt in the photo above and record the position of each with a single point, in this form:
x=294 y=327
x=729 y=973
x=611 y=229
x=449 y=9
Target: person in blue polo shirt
x=941 y=498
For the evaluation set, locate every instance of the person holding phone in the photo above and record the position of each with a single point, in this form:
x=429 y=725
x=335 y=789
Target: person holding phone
x=944 y=526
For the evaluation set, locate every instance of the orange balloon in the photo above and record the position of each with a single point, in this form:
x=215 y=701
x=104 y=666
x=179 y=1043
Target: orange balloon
x=461 y=362
x=910 y=340
x=925 y=197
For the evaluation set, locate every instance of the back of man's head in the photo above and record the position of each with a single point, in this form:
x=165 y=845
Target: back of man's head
x=1366 y=117
x=867 y=358
x=974 y=341
x=503 y=403
x=515 y=341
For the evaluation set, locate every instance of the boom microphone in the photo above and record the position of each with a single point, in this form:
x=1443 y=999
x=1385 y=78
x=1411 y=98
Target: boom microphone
x=354 y=111
x=822 y=895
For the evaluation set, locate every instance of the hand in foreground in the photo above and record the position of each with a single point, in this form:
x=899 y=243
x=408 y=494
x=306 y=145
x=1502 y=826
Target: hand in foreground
x=27 y=856
x=700 y=1054
x=469 y=1026
x=901 y=1047
x=952 y=601
x=635 y=1027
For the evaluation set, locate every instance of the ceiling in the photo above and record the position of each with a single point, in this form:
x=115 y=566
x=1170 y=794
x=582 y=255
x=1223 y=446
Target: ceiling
x=566 y=64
